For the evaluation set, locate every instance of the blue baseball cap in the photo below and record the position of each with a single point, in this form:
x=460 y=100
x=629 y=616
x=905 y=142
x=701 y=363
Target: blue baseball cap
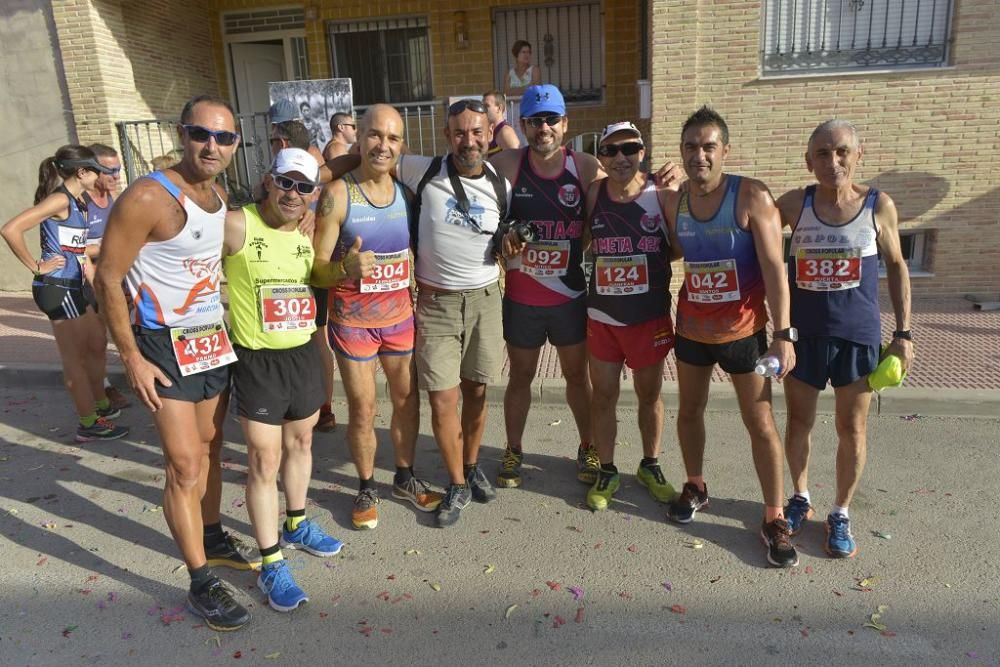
x=282 y=111
x=545 y=98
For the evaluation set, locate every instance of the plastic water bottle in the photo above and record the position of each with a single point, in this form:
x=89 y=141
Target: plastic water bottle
x=768 y=366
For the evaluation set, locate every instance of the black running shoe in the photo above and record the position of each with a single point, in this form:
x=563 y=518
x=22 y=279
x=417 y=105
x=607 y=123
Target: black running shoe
x=690 y=501
x=482 y=490
x=778 y=539
x=234 y=553
x=455 y=500
x=215 y=603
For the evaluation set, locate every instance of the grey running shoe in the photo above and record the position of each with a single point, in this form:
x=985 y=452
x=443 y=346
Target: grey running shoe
x=456 y=499
x=482 y=490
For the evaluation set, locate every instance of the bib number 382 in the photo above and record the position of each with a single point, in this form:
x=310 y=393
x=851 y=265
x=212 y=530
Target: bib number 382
x=827 y=269
x=287 y=307
x=202 y=348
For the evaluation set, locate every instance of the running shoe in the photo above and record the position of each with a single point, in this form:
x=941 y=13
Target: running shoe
x=276 y=582
x=232 y=552
x=482 y=490
x=690 y=501
x=588 y=464
x=327 y=422
x=110 y=412
x=797 y=512
x=309 y=537
x=651 y=477
x=364 y=516
x=839 y=541
x=119 y=401
x=599 y=495
x=456 y=499
x=778 y=540
x=509 y=476
x=419 y=493
x=215 y=603
x=102 y=429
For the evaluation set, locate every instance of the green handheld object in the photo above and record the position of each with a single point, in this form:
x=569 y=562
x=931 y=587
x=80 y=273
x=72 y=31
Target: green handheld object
x=889 y=373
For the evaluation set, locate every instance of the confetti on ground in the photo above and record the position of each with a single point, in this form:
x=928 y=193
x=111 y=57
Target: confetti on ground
x=49 y=525
x=554 y=585
x=412 y=552
x=238 y=654
x=577 y=592
x=625 y=595
x=558 y=621
x=489 y=569
x=42 y=561
x=436 y=586
x=694 y=544
x=678 y=609
x=147 y=508
x=555 y=423
x=632 y=549
x=712 y=581
x=574 y=529
x=875 y=620
x=214 y=640
x=910 y=418
x=867 y=582
x=272 y=656
x=510 y=610
x=809 y=569
x=177 y=569
x=884 y=536
x=68 y=630
x=669 y=586
x=579 y=615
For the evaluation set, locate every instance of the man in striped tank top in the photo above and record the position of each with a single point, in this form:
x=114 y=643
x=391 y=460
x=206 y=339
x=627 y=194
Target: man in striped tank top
x=729 y=231
x=166 y=232
x=839 y=228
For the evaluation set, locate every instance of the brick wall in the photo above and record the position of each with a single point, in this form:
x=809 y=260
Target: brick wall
x=133 y=60
x=464 y=71
x=930 y=134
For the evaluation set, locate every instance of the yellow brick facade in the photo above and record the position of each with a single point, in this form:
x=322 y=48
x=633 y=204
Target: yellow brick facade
x=930 y=134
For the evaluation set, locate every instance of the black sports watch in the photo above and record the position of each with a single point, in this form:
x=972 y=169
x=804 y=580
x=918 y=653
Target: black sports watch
x=791 y=334
x=904 y=334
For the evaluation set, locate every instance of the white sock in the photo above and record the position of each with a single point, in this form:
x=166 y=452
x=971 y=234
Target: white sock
x=839 y=510
x=804 y=494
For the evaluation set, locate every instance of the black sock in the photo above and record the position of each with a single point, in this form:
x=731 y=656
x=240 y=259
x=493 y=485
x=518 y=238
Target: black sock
x=200 y=576
x=460 y=486
x=270 y=551
x=367 y=484
x=609 y=468
x=214 y=534
x=467 y=468
x=403 y=475
x=648 y=461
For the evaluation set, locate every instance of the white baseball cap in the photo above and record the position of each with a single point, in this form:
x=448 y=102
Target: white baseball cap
x=295 y=159
x=621 y=126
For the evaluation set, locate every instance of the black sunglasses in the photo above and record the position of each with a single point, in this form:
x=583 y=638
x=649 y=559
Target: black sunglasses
x=472 y=105
x=203 y=134
x=537 y=121
x=611 y=150
x=286 y=184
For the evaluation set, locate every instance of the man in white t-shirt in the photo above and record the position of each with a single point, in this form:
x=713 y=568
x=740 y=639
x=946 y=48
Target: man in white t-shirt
x=459 y=337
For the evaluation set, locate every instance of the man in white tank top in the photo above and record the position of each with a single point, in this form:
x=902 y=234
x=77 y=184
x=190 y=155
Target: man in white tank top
x=165 y=233
x=838 y=229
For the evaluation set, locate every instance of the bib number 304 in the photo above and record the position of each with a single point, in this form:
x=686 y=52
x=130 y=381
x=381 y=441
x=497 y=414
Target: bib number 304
x=202 y=348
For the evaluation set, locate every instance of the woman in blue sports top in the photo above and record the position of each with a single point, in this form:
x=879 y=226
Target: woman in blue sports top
x=61 y=213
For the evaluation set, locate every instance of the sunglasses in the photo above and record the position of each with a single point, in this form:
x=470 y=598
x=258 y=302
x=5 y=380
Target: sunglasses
x=611 y=150
x=203 y=134
x=286 y=184
x=458 y=107
x=114 y=171
x=537 y=121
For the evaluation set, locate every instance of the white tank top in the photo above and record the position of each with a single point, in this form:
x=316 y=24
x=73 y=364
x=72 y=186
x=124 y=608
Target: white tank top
x=175 y=283
x=520 y=81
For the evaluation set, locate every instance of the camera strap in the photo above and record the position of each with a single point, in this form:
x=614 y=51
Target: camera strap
x=464 y=206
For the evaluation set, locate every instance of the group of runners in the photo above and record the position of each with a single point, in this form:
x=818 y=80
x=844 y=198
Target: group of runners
x=410 y=249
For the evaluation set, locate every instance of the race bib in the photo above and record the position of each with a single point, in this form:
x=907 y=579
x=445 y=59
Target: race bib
x=621 y=275
x=286 y=307
x=72 y=239
x=545 y=259
x=390 y=273
x=202 y=348
x=712 y=282
x=827 y=269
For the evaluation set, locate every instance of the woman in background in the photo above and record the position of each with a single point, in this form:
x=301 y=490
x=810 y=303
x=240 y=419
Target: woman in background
x=523 y=73
x=58 y=285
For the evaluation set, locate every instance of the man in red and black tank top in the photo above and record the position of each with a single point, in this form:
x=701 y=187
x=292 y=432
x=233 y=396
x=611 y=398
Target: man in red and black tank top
x=504 y=136
x=545 y=297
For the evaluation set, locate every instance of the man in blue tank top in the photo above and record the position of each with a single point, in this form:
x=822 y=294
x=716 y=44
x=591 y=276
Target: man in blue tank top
x=839 y=228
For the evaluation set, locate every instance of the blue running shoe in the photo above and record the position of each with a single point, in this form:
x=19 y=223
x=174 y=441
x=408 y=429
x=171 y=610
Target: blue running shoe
x=839 y=541
x=310 y=537
x=275 y=580
x=797 y=512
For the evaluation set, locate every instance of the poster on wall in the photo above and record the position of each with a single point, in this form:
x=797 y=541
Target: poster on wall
x=317 y=100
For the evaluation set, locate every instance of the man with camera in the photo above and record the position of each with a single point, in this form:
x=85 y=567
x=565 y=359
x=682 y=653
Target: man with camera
x=461 y=201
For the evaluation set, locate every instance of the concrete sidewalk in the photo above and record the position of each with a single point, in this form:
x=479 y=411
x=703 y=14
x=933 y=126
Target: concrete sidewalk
x=956 y=372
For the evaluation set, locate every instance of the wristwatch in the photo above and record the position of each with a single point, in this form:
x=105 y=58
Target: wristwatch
x=791 y=334
x=904 y=334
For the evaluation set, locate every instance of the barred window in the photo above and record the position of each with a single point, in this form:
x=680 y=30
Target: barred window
x=567 y=43
x=386 y=60
x=842 y=35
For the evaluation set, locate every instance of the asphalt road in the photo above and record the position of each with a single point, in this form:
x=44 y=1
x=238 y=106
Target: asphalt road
x=91 y=575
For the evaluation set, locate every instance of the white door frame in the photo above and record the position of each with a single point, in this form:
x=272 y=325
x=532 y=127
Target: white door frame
x=285 y=36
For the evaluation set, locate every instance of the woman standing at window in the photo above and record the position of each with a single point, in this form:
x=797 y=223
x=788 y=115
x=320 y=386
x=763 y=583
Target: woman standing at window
x=58 y=285
x=523 y=73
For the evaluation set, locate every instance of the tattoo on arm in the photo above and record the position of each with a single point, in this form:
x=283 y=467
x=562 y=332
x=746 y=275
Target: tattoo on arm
x=325 y=206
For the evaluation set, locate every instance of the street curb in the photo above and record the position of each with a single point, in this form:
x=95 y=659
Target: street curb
x=903 y=401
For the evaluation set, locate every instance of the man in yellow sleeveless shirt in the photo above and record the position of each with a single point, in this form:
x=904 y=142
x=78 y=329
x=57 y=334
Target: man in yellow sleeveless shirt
x=277 y=382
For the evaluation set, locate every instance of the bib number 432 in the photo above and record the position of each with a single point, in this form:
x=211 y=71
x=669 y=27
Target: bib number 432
x=198 y=349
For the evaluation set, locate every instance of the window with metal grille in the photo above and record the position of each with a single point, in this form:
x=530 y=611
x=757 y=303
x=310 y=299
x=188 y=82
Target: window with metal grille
x=567 y=43
x=386 y=60
x=809 y=35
